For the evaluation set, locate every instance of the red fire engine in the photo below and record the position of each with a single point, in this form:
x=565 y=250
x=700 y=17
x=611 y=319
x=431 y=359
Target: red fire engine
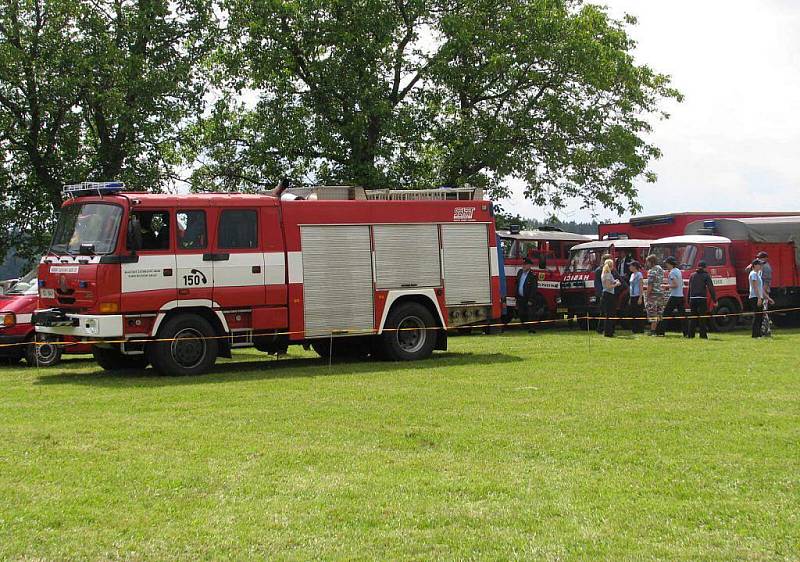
x=203 y=273
x=728 y=246
x=674 y=224
x=578 y=295
x=548 y=248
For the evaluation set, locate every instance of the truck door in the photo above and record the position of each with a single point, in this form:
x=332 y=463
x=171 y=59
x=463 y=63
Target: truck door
x=195 y=275
x=150 y=282
x=238 y=259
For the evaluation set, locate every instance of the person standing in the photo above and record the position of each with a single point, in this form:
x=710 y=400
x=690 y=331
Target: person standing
x=527 y=284
x=608 y=304
x=700 y=284
x=756 y=296
x=598 y=288
x=766 y=278
x=654 y=294
x=636 y=297
x=675 y=304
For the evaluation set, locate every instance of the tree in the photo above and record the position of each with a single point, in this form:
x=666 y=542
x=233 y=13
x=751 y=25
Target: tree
x=93 y=90
x=436 y=92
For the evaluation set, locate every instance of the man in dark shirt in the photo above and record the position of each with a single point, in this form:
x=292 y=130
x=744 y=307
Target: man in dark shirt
x=700 y=283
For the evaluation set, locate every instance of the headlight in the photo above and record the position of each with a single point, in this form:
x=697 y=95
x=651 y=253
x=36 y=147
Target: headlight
x=592 y=300
x=91 y=326
x=9 y=319
x=47 y=293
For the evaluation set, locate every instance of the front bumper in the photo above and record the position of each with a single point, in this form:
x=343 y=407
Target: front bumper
x=56 y=321
x=12 y=345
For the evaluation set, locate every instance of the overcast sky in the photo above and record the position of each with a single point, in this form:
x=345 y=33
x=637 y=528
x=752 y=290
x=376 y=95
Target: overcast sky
x=734 y=143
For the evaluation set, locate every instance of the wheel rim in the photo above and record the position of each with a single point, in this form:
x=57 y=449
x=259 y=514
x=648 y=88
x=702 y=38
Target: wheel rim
x=46 y=352
x=188 y=348
x=411 y=334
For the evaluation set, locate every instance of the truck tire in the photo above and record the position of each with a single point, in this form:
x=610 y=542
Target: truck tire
x=43 y=354
x=343 y=348
x=189 y=347
x=112 y=359
x=722 y=323
x=410 y=333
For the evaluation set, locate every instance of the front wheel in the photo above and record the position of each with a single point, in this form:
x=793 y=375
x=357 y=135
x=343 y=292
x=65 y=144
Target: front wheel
x=410 y=333
x=721 y=322
x=187 y=346
x=41 y=352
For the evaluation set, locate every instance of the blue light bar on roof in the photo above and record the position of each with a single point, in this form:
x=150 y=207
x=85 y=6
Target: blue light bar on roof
x=93 y=187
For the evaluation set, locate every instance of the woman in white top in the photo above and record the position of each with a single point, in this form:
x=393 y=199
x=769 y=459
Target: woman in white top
x=608 y=302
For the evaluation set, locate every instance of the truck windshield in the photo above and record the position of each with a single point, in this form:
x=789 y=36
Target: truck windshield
x=684 y=253
x=87 y=223
x=584 y=260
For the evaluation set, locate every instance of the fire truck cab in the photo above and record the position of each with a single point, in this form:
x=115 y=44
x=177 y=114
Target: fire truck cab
x=549 y=250
x=578 y=298
x=176 y=280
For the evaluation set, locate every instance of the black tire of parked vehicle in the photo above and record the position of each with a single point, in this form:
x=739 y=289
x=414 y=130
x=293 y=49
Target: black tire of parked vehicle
x=410 y=333
x=112 y=359
x=188 y=347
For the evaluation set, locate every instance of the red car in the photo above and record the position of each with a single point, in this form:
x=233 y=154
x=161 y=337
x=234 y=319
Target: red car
x=17 y=334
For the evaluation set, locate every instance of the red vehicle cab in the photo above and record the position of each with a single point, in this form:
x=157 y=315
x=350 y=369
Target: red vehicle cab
x=578 y=297
x=548 y=249
x=689 y=250
x=18 y=334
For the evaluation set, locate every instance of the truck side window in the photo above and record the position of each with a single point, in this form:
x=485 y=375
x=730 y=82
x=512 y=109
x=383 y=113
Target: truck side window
x=714 y=256
x=192 y=230
x=238 y=229
x=155 y=230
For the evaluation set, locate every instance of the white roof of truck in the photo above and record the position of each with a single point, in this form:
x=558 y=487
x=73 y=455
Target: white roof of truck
x=546 y=235
x=693 y=239
x=621 y=243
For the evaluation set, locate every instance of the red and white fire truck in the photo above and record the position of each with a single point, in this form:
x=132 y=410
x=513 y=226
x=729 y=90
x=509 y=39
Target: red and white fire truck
x=176 y=280
x=578 y=295
x=548 y=248
x=728 y=246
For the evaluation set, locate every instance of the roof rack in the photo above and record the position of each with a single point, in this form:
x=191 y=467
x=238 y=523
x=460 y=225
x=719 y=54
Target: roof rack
x=92 y=188
x=442 y=193
x=340 y=192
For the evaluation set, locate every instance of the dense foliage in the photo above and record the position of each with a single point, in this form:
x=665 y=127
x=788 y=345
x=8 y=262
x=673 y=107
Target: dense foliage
x=232 y=94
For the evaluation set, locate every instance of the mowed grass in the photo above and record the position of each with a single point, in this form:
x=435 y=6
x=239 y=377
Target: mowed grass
x=558 y=445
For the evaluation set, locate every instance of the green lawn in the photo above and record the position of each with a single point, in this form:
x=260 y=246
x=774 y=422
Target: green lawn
x=558 y=445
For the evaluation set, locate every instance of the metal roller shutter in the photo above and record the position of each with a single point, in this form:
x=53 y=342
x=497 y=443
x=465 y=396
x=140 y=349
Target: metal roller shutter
x=466 y=263
x=407 y=255
x=337 y=279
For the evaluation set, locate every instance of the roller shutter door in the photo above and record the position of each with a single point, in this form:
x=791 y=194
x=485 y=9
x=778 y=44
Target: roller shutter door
x=337 y=279
x=407 y=255
x=466 y=263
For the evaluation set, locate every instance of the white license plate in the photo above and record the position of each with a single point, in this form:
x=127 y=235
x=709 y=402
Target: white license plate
x=47 y=293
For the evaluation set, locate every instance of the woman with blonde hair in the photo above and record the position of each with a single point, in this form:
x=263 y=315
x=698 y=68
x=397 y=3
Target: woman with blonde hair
x=608 y=301
x=654 y=300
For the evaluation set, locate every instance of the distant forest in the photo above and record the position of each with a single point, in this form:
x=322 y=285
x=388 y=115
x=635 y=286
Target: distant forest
x=505 y=221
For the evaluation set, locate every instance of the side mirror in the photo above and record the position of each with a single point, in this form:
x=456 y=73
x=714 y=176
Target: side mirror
x=134 y=234
x=86 y=250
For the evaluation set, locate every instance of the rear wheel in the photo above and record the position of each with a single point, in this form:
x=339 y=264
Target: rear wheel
x=42 y=352
x=409 y=333
x=189 y=346
x=112 y=359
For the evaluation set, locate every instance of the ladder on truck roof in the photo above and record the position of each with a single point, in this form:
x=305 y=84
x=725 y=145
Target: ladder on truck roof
x=346 y=192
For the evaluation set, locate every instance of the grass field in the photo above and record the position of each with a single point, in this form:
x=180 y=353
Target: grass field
x=558 y=445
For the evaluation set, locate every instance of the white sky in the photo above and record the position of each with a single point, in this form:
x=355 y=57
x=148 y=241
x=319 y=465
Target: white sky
x=734 y=143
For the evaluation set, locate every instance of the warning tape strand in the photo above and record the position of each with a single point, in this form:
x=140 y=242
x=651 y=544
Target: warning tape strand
x=343 y=332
